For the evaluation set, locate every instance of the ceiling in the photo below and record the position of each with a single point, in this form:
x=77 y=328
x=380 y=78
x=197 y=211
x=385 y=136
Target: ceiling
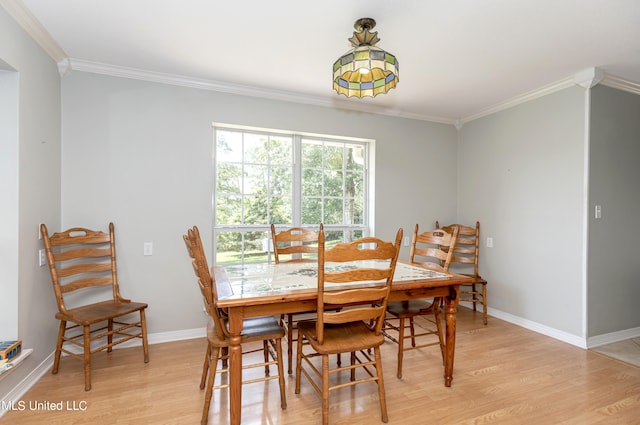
x=457 y=58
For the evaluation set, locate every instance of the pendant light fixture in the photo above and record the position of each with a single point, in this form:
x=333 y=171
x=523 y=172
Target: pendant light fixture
x=365 y=70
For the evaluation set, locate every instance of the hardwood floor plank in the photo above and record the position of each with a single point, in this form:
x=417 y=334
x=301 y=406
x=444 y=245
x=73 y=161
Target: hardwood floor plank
x=503 y=374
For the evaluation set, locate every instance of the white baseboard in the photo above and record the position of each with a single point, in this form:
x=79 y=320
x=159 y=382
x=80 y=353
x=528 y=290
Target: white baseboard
x=541 y=329
x=597 y=341
x=23 y=386
x=34 y=376
x=586 y=343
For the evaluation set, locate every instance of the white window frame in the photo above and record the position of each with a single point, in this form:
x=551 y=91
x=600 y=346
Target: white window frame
x=368 y=207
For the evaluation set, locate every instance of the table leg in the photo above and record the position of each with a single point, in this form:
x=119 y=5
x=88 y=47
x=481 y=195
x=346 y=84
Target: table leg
x=451 y=303
x=235 y=366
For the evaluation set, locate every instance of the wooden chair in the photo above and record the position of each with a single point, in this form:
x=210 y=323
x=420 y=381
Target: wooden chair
x=465 y=259
x=298 y=245
x=428 y=249
x=257 y=329
x=79 y=261
x=354 y=329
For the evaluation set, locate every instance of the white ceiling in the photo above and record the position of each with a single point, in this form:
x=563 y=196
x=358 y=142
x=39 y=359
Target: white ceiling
x=457 y=57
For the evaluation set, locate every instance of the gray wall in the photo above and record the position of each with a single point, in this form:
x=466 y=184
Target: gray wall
x=521 y=174
x=37 y=167
x=614 y=263
x=140 y=154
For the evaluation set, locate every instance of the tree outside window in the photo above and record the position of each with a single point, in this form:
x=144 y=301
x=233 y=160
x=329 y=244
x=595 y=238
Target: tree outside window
x=264 y=177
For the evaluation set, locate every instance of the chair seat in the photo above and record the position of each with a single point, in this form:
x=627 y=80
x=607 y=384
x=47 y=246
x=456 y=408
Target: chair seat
x=253 y=329
x=411 y=308
x=353 y=336
x=476 y=279
x=98 y=312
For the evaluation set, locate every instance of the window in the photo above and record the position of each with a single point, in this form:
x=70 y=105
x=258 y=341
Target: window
x=264 y=177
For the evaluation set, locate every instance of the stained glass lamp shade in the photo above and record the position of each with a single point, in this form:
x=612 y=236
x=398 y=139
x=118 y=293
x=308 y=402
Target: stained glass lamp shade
x=365 y=70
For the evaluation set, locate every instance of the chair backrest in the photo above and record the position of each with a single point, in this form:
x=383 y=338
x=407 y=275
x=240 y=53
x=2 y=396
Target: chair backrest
x=369 y=301
x=433 y=249
x=80 y=258
x=292 y=244
x=205 y=280
x=466 y=250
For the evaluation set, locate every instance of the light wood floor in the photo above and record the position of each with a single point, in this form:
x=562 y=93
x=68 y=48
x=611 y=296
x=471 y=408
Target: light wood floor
x=503 y=374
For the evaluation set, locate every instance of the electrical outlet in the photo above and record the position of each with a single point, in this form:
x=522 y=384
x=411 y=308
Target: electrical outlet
x=406 y=241
x=148 y=248
x=598 y=212
x=489 y=242
x=42 y=257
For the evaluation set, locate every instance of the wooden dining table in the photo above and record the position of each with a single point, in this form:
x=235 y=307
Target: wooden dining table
x=261 y=289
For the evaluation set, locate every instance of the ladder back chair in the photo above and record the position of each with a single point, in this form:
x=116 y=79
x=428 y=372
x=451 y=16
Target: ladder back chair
x=465 y=259
x=79 y=261
x=429 y=250
x=257 y=329
x=299 y=245
x=355 y=329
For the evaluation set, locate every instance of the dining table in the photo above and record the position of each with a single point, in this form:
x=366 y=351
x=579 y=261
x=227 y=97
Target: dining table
x=262 y=289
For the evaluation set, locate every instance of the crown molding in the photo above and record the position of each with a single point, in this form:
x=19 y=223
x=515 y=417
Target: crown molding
x=32 y=26
x=70 y=64
x=621 y=84
x=587 y=79
x=534 y=94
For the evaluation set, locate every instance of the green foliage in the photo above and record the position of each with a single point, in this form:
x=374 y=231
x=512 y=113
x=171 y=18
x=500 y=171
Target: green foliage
x=254 y=187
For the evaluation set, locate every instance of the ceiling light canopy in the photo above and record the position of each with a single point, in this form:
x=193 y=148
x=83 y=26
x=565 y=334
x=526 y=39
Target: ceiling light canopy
x=365 y=70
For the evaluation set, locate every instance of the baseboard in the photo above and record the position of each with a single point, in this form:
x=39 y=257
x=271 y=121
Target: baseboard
x=538 y=328
x=23 y=386
x=586 y=343
x=34 y=376
x=597 y=341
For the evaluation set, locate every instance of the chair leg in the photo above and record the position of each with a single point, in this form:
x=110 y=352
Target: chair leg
x=353 y=369
x=289 y=343
x=205 y=367
x=213 y=365
x=400 y=346
x=325 y=389
x=484 y=303
x=225 y=357
x=110 y=335
x=298 y=363
x=381 y=391
x=474 y=297
x=61 y=331
x=283 y=394
x=145 y=342
x=265 y=351
x=412 y=329
x=87 y=358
